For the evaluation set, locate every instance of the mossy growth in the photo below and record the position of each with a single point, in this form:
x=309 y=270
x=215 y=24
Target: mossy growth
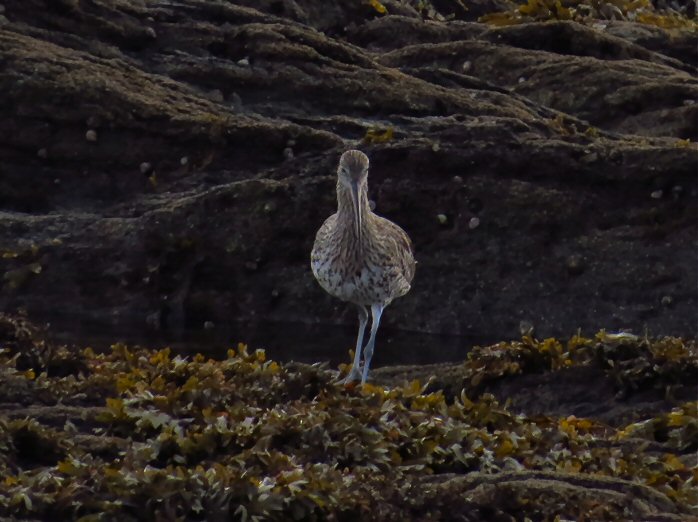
x=139 y=434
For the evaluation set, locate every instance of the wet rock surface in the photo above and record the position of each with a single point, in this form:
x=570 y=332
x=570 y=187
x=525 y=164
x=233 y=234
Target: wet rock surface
x=566 y=144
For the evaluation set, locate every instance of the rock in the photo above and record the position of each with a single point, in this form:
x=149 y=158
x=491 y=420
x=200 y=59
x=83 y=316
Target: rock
x=323 y=74
x=91 y=135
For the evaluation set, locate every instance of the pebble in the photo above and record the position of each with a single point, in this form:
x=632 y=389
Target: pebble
x=458 y=180
x=522 y=79
x=42 y=153
x=667 y=300
x=91 y=135
x=151 y=33
x=436 y=147
x=442 y=219
x=474 y=223
x=467 y=65
x=689 y=102
x=209 y=325
x=146 y=168
x=657 y=194
x=275 y=293
x=244 y=62
x=288 y=153
x=183 y=160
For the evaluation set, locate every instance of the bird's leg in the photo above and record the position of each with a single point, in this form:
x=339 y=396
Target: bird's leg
x=376 y=311
x=355 y=372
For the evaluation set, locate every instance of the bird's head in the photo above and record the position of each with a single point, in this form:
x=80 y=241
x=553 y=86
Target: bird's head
x=353 y=168
x=352 y=173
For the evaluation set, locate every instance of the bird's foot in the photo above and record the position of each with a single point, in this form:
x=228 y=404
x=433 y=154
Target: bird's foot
x=353 y=376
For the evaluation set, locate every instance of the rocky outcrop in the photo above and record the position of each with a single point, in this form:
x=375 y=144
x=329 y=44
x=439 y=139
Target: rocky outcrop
x=167 y=163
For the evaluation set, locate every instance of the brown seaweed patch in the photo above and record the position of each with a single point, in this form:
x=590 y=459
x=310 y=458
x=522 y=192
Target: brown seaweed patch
x=244 y=437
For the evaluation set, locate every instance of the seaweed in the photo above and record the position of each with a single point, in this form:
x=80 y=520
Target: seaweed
x=589 y=12
x=378 y=7
x=377 y=135
x=141 y=434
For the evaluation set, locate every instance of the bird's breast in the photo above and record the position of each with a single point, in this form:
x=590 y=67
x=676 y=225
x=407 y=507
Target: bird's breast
x=365 y=272
x=362 y=284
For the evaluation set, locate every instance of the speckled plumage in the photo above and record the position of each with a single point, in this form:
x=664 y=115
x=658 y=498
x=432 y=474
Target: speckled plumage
x=369 y=266
x=377 y=270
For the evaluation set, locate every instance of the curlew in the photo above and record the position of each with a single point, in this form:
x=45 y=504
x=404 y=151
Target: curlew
x=360 y=257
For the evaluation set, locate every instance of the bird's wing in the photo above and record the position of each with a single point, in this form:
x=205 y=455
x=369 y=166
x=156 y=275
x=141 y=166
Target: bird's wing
x=321 y=237
x=404 y=251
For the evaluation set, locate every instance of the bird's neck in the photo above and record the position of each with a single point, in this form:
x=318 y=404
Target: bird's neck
x=345 y=206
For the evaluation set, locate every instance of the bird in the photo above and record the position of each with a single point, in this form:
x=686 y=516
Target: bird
x=360 y=257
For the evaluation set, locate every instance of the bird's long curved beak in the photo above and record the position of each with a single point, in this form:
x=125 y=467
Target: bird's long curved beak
x=357 y=209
